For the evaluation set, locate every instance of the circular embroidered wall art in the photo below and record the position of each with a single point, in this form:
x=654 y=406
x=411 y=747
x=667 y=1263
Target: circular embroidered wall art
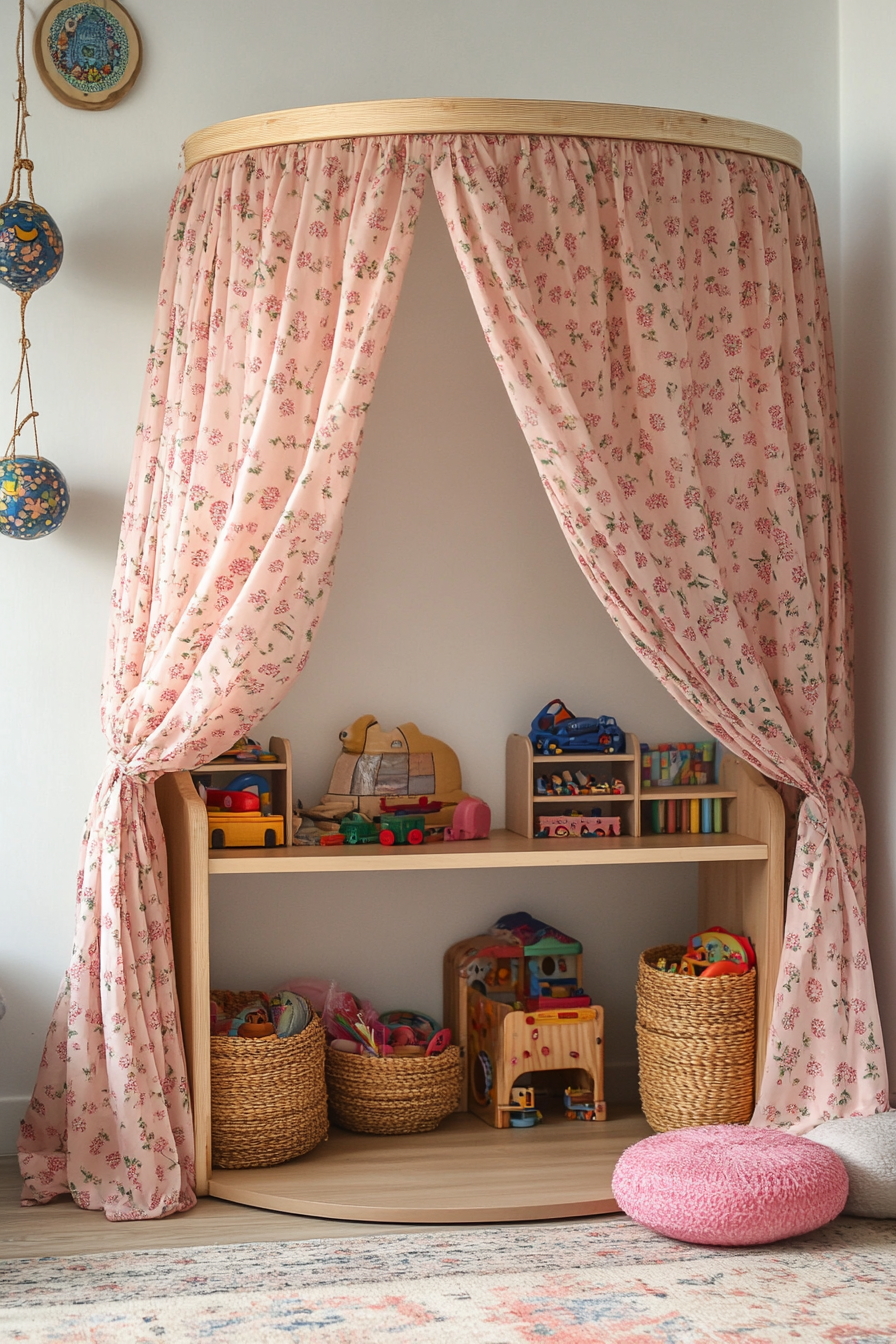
x=87 y=55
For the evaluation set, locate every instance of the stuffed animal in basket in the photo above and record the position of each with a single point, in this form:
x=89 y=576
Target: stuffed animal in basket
x=383 y=769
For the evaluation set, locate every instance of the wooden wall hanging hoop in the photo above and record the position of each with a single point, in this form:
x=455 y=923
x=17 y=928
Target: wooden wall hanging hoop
x=87 y=55
x=408 y=116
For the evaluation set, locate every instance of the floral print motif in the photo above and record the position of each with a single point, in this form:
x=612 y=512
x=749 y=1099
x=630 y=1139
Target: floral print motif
x=660 y=319
x=280 y=278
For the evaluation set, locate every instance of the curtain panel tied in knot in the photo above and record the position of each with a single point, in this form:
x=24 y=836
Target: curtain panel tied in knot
x=281 y=274
x=659 y=317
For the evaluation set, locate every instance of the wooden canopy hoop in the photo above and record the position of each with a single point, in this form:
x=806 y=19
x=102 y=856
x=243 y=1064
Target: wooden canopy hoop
x=421 y=116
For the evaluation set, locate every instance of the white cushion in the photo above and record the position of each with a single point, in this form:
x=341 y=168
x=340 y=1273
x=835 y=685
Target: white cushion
x=866 y=1144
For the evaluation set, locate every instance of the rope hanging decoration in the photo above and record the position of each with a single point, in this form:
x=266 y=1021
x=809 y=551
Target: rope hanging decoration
x=34 y=496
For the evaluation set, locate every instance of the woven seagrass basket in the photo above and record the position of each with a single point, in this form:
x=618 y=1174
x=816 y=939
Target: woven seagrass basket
x=392 y=1095
x=696 y=1045
x=269 y=1096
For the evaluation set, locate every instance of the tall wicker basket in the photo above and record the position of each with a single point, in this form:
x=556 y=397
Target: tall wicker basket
x=696 y=1045
x=392 y=1095
x=269 y=1096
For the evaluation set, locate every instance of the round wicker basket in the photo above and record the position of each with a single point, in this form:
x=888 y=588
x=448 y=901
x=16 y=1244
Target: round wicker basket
x=269 y=1097
x=696 y=1045
x=392 y=1095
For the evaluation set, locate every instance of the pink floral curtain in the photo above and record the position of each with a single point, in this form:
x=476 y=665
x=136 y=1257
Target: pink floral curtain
x=660 y=319
x=281 y=274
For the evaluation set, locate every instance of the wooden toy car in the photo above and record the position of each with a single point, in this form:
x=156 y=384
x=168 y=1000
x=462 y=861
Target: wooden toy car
x=248 y=830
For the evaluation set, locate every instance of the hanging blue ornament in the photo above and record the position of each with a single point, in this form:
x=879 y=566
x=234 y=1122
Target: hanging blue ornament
x=34 y=497
x=30 y=246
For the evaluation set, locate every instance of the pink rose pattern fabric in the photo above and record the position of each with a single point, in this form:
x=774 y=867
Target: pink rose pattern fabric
x=281 y=273
x=660 y=319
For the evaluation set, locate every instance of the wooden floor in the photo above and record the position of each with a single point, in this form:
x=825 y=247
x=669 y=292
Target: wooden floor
x=510 y=1167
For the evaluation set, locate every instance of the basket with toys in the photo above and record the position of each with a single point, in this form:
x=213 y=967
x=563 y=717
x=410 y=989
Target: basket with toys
x=696 y=1025
x=269 y=1098
x=394 y=1073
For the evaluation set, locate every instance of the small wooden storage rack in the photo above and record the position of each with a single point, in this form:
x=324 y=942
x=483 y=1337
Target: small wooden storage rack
x=524 y=804
x=464 y=1171
x=279 y=772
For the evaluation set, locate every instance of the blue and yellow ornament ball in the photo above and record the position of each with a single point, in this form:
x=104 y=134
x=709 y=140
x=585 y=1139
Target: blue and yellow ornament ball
x=34 y=497
x=30 y=246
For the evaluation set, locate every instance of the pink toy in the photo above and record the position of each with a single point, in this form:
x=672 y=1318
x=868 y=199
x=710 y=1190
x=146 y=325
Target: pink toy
x=402 y=1036
x=439 y=1042
x=472 y=820
x=729 y=1185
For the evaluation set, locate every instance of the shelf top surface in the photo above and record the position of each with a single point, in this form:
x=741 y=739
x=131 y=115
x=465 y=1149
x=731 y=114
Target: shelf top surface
x=660 y=793
x=580 y=799
x=597 y=757
x=503 y=849
x=238 y=767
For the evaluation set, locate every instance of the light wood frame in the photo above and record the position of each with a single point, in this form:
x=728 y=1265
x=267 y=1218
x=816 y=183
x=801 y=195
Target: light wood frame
x=525 y=116
x=88 y=100
x=741 y=885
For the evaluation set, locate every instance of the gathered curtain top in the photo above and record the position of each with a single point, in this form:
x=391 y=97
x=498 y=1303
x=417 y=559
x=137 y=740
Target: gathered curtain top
x=526 y=116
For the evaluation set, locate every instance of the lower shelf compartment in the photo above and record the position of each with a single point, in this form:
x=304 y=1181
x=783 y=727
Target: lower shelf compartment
x=462 y=1172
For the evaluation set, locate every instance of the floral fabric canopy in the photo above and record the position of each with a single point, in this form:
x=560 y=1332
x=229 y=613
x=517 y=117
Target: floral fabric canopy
x=659 y=316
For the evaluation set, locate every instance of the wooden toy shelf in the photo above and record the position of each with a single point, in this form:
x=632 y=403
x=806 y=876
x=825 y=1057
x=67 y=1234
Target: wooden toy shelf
x=464 y=1171
x=524 y=766
x=280 y=773
x=523 y=803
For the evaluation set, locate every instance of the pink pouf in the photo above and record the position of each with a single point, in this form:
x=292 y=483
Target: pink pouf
x=730 y=1185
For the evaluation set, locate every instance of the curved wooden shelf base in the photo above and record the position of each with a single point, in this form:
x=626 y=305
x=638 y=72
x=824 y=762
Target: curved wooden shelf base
x=463 y=1172
x=520 y=116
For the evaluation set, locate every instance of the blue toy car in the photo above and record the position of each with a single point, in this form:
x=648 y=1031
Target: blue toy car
x=555 y=730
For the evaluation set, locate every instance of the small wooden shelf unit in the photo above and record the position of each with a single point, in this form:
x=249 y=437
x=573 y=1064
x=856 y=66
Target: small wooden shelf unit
x=279 y=774
x=524 y=804
x=443 y=1176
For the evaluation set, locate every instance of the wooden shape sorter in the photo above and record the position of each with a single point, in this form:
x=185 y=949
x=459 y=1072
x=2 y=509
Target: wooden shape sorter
x=515 y=1005
x=503 y=1044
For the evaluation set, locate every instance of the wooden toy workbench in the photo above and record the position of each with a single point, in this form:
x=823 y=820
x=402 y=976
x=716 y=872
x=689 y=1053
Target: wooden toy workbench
x=464 y=1171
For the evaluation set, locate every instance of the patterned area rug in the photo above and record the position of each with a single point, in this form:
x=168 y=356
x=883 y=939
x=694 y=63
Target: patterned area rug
x=610 y=1281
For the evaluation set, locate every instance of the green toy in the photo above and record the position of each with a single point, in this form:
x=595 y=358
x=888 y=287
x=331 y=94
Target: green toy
x=403 y=830
x=359 y=830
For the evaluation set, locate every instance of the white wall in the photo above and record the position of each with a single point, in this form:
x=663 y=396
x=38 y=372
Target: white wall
x=868 y=414
x=498 y=618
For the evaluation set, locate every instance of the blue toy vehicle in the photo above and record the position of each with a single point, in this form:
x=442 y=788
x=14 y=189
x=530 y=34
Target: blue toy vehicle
x=578 y=1104
x=555 y=730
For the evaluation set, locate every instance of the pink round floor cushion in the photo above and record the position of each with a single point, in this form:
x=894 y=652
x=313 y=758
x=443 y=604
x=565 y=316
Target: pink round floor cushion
x=730 y=1185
